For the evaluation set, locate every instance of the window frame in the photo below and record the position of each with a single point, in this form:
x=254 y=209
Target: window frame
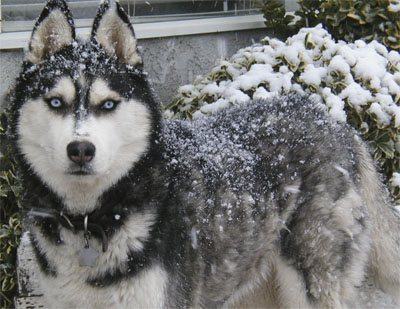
x=14 y=34
x=17 y=40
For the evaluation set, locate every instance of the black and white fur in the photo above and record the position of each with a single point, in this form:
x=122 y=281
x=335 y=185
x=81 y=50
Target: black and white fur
x=267 y=204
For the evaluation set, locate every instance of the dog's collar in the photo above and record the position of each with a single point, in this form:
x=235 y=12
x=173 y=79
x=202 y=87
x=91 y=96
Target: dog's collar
x=74 y=223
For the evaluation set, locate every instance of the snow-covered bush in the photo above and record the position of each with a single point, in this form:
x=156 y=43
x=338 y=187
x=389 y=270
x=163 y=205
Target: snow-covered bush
x=358 y=82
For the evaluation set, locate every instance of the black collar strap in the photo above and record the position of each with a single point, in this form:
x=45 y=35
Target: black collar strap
x=73 y=223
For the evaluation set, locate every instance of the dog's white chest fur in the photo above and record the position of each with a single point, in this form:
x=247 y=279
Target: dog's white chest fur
x=143 y=291
x=70 y=288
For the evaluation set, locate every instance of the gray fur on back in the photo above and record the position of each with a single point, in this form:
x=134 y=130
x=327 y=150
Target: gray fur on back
x=249 y=182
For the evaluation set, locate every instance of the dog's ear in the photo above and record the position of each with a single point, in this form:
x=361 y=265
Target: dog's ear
x=114 y=32
x=53 y=30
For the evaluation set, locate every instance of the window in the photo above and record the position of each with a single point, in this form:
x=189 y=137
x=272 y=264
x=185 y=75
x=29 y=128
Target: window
x=19 y=15
x=152 y=18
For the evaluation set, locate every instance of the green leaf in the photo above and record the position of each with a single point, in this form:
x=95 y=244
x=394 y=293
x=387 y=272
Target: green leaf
x=387 y=149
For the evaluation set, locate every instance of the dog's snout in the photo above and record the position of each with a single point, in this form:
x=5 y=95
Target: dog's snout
x=81 y=152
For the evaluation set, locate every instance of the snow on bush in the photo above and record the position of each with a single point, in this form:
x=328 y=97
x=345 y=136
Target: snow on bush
x=358 y=82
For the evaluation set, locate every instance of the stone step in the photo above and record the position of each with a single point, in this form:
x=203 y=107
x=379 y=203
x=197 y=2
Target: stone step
x=29 y=294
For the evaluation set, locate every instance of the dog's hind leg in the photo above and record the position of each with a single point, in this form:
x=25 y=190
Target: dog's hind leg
x=284 y=287
x=385 y=229
x=327 y=245
x=289 y=285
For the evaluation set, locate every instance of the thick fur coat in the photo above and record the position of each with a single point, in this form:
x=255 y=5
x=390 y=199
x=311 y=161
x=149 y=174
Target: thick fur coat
x=271 y=203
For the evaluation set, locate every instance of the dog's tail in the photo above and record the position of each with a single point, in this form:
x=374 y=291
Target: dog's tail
x=385 y=228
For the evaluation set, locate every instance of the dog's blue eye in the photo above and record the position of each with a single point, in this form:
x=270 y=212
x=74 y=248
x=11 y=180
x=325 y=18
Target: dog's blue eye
x=109 y=105
x=55 y=103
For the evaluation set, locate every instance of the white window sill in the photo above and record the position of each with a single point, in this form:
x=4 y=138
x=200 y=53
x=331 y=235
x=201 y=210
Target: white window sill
x=17 y=40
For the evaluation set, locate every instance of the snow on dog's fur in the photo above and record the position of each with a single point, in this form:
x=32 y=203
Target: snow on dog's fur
x=266 y=204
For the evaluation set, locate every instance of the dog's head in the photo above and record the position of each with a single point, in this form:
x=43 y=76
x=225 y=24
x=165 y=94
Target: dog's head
x=85 y=112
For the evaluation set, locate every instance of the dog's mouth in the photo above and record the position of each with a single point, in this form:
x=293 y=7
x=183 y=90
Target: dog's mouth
x=80 y=171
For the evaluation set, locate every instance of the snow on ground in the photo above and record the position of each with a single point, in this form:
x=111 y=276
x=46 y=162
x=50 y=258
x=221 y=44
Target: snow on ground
x=372 y=297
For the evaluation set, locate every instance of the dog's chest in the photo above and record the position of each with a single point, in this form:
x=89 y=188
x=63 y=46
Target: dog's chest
x=70 y=287
x=146 y=290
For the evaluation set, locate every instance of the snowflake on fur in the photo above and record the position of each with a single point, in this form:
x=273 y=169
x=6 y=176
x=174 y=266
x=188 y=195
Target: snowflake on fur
x=358 y=82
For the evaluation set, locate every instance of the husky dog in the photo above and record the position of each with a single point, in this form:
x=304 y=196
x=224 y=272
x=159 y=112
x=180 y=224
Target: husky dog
x=271 y=199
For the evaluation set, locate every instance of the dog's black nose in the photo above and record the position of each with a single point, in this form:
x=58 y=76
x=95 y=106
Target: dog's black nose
x=81 y=152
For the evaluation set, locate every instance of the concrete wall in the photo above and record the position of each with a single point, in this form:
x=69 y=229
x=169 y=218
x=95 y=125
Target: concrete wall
x=170 y=62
